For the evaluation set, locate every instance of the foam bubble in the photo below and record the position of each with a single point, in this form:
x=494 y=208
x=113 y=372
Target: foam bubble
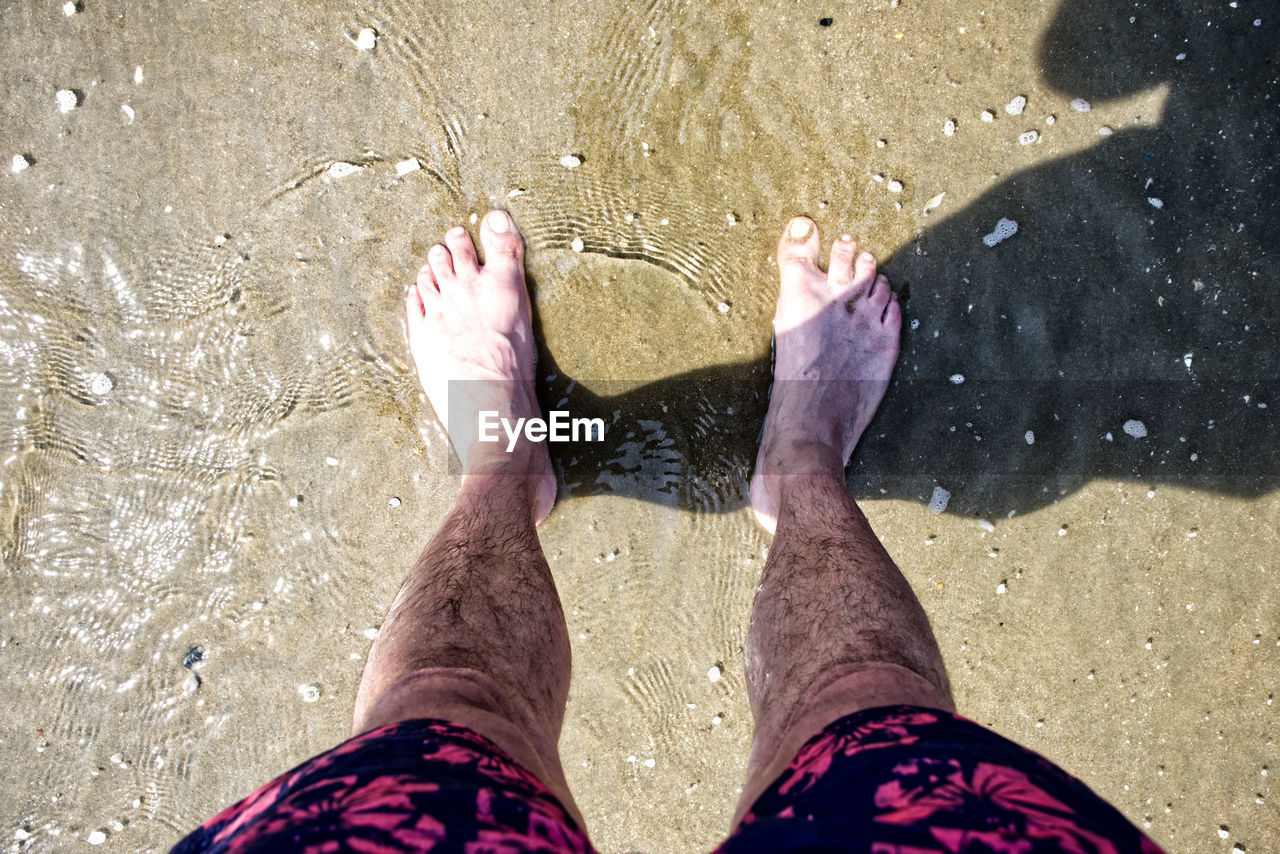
x=1004 y=229
x=938 y=501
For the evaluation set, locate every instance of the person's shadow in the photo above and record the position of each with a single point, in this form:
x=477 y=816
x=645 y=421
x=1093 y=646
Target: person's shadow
x=1128 y=330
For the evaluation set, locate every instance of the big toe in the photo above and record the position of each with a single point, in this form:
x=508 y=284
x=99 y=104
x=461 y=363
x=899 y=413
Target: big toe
x=799 y=246
x=503 y=245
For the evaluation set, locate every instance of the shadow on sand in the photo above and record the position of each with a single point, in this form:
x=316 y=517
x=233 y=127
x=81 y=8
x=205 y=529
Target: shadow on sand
x=1105 y=309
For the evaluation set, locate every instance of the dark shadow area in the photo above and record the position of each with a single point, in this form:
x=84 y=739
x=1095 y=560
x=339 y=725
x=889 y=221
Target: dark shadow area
x=1104 y=310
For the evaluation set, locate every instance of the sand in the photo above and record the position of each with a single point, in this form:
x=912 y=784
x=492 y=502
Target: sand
x=216 y=463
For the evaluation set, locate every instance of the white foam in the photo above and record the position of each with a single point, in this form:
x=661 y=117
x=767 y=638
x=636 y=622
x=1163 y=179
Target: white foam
x=1135 y=428
x=938 y=501
x=1004 y=229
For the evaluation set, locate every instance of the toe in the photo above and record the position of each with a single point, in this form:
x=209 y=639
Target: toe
x=463 y=251
x=864 y=271
x=426 y=282
x=892 y=318
x=414 y=306
x=799 y=245
x=440 y=263
x=840 y=267
x=879 y=294
x=503 y=246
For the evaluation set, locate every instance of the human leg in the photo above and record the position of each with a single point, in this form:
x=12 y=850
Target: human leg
x=476 y=635
x=835 y=627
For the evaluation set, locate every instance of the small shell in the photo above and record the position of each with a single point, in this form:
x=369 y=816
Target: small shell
x=1016 y=106
x=571 y=161
x=933 y=203
x=67 y=100
x=1028 y=137
x=949 y=127
x=341 y=169
x=366 y=39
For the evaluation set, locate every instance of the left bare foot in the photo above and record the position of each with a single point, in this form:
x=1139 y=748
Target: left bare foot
x=836 y=341
x=471 y=324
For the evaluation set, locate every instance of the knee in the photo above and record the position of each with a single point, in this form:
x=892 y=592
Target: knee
x=446 y=693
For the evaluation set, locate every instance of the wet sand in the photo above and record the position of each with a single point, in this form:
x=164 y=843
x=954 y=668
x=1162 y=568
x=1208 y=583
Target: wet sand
x=216 y=463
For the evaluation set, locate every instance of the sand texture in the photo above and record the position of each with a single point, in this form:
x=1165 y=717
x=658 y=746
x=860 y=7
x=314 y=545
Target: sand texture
x=216 y=463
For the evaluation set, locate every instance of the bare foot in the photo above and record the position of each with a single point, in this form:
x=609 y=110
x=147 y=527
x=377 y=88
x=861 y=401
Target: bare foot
x=471 y=335
x=836 y=341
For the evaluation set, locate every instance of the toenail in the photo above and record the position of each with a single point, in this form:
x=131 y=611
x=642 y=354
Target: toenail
x=499 y=222
x=800 y=229
x=866 y=258
x=847 y=238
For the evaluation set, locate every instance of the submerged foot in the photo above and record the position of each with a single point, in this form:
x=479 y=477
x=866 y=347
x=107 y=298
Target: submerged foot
x=836 y=341
x=471 y=335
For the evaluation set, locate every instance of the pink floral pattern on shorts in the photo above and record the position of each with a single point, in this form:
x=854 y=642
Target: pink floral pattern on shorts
x=894 y=780
x=906 y=780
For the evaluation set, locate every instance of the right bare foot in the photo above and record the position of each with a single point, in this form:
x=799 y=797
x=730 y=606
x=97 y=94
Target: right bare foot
x=471 y=335
x=836 y=341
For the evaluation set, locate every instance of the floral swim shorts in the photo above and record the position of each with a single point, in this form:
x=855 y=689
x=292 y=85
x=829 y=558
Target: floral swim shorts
x=892 y=780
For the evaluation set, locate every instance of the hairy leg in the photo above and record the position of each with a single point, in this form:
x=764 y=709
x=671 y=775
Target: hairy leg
x=476 y=635
x=835 y=627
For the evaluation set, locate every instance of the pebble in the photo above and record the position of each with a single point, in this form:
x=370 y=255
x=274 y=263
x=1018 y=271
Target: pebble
x=404 y=167
x=938 y=501
x=1030 y=436
x=1135 y=428
x=100 y=384
x=128 y=112
x=577 y=245
x=949 y=127
x=393 y=502
x=571 y=161
x=1155 y=203
x=1002 y=589
x=957 y=379
x=1223 y=832
x=933 y=203
x=1105 y=130
x=1004 y=229
x=21 y=834
x=367 y=39
x=96 y=838
x=1028 y=137
x=723 y=307
x=20 y=162
x=1016 y=106
x=67 y=100
x=341 y=169
x=986 y=526
x=1080 y=105
x=895 y=186
x=1050 y=119
x=310 y=693
x=69 y=9
x=988 y=116
x=714 y=673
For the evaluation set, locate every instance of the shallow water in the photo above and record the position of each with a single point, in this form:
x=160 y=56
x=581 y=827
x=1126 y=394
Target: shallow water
x=212 y=437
